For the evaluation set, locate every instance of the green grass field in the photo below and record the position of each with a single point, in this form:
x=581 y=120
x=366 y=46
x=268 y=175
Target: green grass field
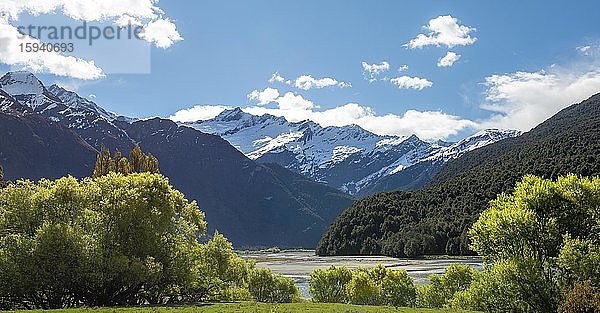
x=256 y=307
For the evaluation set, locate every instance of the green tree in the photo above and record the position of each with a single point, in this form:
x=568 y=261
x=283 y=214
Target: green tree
x=579 y=261
x=330 y=285
x=442 y=288
x=137 y=160
x=509 y=286
x=110 y=240
x=398 y=289
x=264 y=286
x=151 y=164
x=363 y=290
x=103 y=163
x=221 y=275
x=542 y=236
x=531 y=222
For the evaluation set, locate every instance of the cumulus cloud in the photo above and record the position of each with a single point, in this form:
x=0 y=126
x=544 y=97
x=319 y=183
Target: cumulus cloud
x=43 y=61
x=266 y=96
x=407 y=82
x=428 y=125
x=157 y=30
x=161 y=32
x=293 y=102
x=371 y=72
x=584 y=49
x=522 y=100
x=448 y=60
x=198 y=113
x=403 y=68
x=276 y=78
x=443 y=31
x=307 y=82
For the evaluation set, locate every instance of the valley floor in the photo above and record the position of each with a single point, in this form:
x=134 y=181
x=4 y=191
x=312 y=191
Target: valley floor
x=244 y=307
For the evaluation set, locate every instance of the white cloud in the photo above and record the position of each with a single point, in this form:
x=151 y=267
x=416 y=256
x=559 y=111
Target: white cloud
x=307 y=82
x=584 y=49
x=292 y=102
x=198 y=113
x=266 y=96
x=372 y=72
x=407 y=82
x=158 y=30
x=403 y=68
x=426 y=125
x=43 y=61
x=522 y=100
x=345 y=85
x=443 y=31
x=448 y=60
x=161 y=32
x=88 y=10
x=276 y=78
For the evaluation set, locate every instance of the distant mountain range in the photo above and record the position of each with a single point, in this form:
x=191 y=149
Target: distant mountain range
x=348 y=158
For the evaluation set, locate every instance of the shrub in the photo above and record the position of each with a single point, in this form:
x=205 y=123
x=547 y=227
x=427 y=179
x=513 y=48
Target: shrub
x=583 y=298
x=442 y=288
x=509 y=286
x=398 y=289
x=376 y=286
x=264 y=286
x=362 y=289
x=579 y=261
x=330 y=286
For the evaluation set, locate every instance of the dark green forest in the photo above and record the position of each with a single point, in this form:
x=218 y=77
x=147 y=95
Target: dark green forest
x=435 y=219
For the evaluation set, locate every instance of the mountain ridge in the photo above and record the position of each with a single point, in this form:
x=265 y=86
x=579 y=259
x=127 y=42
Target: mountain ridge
x=348 y=158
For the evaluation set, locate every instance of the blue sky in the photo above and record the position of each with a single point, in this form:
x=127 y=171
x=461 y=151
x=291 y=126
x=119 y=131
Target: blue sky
x=231 y=48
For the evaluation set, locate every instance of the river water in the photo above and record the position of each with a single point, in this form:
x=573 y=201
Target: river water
x=299 y=264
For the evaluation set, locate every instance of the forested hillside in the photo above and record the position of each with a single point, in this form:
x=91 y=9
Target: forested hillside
x=434 y=220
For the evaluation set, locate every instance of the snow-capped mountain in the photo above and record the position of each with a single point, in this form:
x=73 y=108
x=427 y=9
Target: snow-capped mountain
x=348 y=158
x=93 y=123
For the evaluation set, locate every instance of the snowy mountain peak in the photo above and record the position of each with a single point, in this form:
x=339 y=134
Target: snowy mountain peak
x=348 y=157
x=232 y=115
x=21 y=83
x=495 y=133
x=76 y=102
x=477 y=140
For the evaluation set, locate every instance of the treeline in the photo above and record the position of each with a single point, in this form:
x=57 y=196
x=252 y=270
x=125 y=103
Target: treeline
x=540 y=244
x=435 y=220
x=118 y=239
